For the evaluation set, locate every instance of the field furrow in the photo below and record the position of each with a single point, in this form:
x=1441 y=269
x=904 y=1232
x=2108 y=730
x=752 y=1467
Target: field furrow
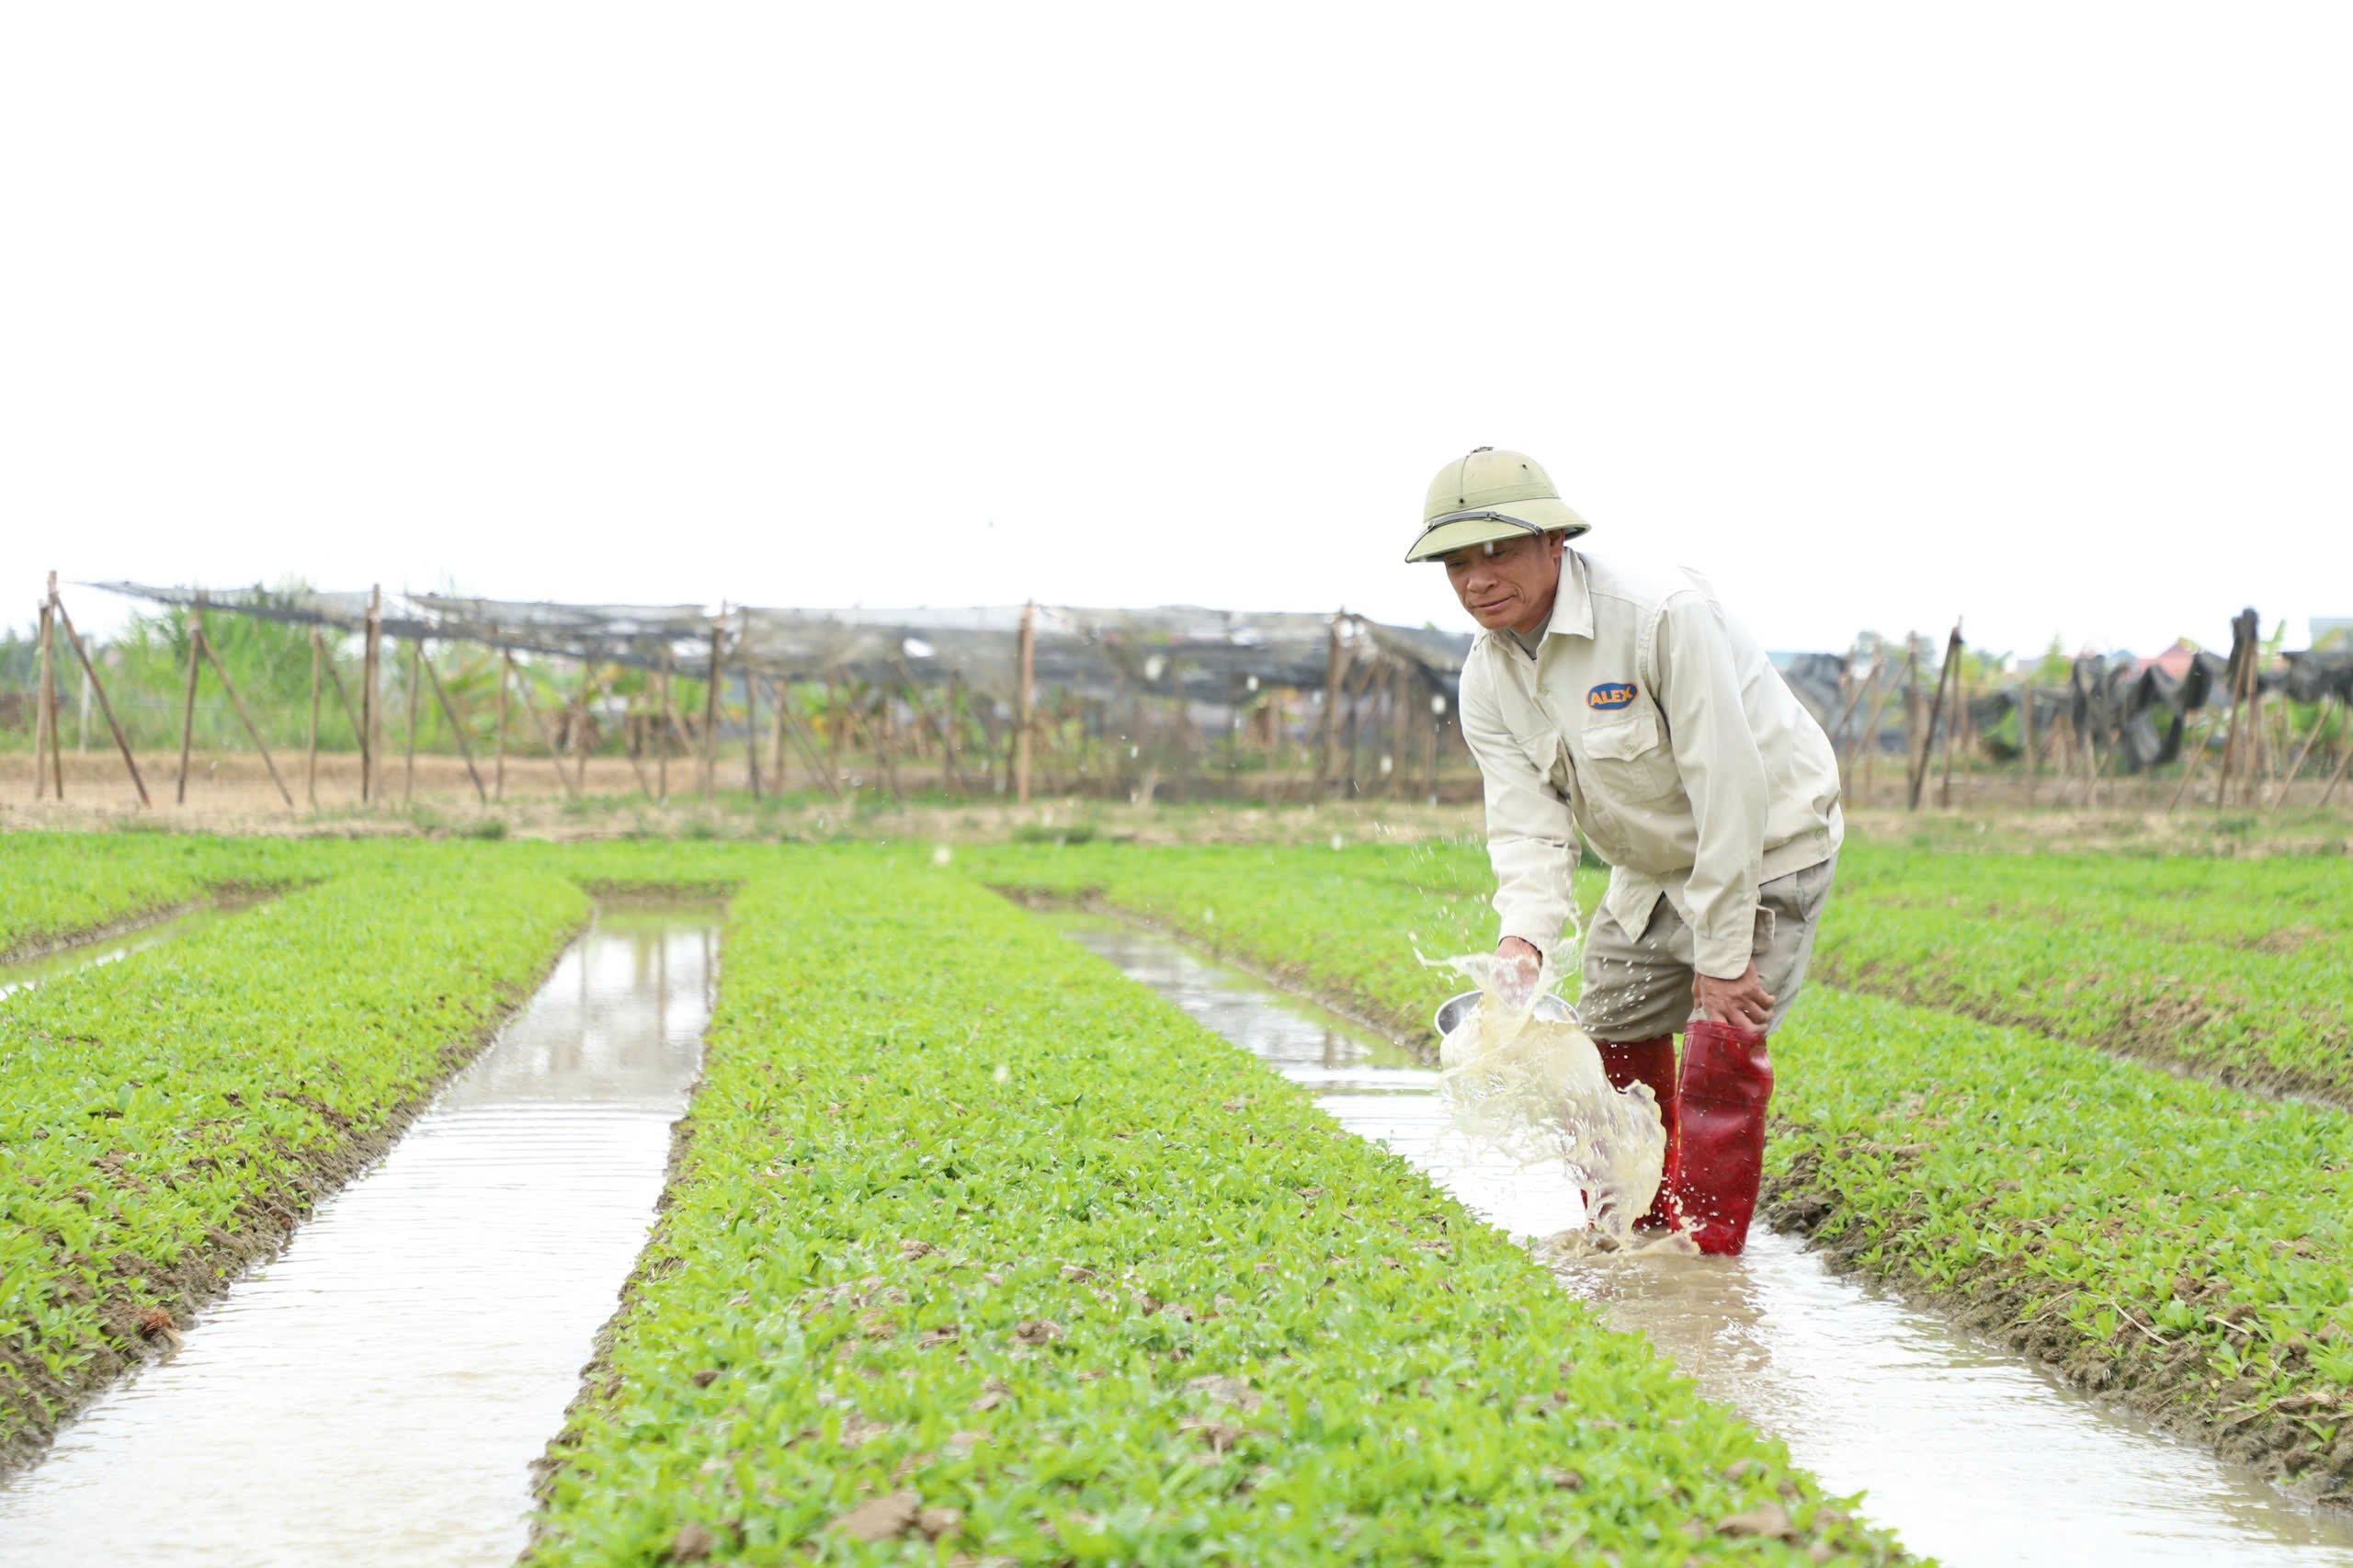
x=2166 y=1237
x=974 y=1246
x=167 y=1119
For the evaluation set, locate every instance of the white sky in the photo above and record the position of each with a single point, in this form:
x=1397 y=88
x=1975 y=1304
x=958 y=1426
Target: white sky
x=2039 y=314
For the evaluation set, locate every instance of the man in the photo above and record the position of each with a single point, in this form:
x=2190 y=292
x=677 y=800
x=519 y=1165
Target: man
x=1621 y=700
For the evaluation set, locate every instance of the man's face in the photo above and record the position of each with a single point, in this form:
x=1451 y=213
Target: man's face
x=1507 y=583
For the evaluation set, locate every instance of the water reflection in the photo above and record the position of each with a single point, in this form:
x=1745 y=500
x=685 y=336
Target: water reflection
x=378 y=1392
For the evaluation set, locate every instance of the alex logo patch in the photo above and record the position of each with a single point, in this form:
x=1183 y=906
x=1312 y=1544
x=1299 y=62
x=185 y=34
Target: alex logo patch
x=1609 y=696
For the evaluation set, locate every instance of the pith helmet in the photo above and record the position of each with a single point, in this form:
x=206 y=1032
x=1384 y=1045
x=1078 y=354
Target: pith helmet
x=1490 y=495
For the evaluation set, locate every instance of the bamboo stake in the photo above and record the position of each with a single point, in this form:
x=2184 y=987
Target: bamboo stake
x=590 y=689
x=188 y=712
x=710 y=713
x=780 y=698
x=1336 y=664
x=457 y=725
x=252 y=728
x=1920 y=767
x=42 y=714
x=1879 y=713
x=90 y=674
x=506 y=672
x=1024 y=715
x=547 y=734
x=2344 y=761
x=408 y=771
x=370 y=719
x=2196 y=760
x=948 y=780
x=2026 y=736
x=670 y=728
x=2320 y=723
x=310 y=741
x=776 y=730
x=951 y=776
x=751 y=732
x=49 y=693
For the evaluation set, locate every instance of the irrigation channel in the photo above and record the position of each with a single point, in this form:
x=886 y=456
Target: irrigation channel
x=116 y=945
x=377 y=1392
x=1972 y=1454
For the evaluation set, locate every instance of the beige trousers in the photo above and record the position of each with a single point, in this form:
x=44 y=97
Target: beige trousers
x=1639 y=987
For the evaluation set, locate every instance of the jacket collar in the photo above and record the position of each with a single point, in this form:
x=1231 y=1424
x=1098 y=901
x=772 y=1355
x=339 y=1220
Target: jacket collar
x=1572 y=600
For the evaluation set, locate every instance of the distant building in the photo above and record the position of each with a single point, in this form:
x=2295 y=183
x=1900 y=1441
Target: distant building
x=2174 y=661
x=2333 y=630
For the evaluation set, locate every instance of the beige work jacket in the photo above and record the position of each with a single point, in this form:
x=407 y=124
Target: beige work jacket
x=1655 y=723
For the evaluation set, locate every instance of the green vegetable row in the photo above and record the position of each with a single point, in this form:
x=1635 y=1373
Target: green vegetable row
x=976 y=1247
x=2275 y=1014
x=164 y=1119
x=2169 y=1236
x=55 y=887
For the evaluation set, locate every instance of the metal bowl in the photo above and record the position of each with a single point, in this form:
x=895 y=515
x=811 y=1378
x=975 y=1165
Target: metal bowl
x=1455 y=1009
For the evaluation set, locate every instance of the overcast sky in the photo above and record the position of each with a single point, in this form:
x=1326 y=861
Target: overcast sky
x=2040 y=314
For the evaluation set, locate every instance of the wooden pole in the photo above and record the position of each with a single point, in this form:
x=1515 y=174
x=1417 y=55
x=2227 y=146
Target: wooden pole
x=2026 y=736
x=780 y=700
x=2320 y=723
x=776 y=729
x=669 y=730
x=1336 y=664
x=547 y=737
x=710 y=713
x=1928 y=738
x=49 y=665
x=187 y=709
x=2344 y=761
x=457 y=725
x=253 y=730
x=951 y=776
x=408 y=770
x=498 y=769
x=2196 y=759
x=590 y=689
x=370 y=663
x=1879 y=715
x=44 y=712
x=1024 y=716
x=90 y=674
x=751 y=730
x=1958 y=720
x=310 y=741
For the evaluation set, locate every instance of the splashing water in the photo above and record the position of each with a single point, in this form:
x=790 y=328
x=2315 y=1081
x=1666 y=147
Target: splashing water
x=1533 y=1089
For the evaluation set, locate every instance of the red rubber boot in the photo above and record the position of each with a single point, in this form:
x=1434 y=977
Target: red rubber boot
x=1651 y=1062
x=1712 y=1185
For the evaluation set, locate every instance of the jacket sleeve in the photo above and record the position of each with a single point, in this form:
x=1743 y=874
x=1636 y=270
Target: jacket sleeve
x=1724 y=774
x=1532 y=838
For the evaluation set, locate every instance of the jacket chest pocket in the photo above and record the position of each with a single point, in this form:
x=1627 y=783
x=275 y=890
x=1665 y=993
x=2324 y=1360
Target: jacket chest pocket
x=1630 y=756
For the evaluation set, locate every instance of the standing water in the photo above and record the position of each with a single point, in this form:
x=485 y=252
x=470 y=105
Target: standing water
x=377 y=1393
x=1968 y=1452
x=119 y=943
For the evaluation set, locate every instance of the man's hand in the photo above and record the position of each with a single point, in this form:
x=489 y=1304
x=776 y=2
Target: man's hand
x=1744 y=1003
x=1517 y=965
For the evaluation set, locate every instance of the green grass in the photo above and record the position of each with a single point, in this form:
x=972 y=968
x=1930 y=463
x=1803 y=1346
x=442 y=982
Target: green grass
x=972 y=1238
x=159 y=1114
